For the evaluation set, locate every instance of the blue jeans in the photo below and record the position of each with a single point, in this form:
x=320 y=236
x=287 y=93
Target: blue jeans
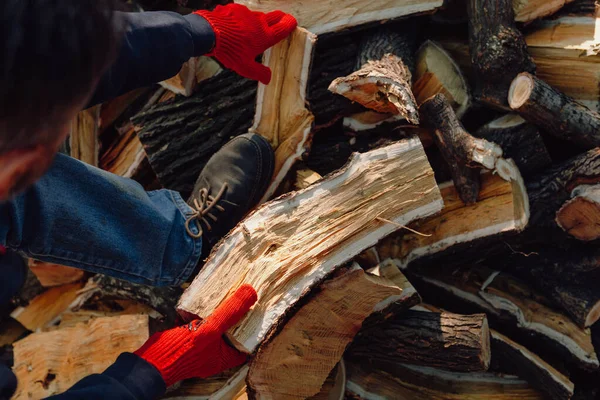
x=86 y=218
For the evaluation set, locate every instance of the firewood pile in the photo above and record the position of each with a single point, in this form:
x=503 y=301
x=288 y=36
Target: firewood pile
x=432 y=225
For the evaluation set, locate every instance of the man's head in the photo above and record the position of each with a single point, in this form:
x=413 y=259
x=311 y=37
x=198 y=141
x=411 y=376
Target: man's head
x=52 y=53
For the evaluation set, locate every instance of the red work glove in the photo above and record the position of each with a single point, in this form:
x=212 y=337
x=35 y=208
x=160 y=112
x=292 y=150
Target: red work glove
x=241 y=35
x=197 y=350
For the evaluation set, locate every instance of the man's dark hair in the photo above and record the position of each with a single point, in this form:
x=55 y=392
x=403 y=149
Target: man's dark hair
x=51 y=54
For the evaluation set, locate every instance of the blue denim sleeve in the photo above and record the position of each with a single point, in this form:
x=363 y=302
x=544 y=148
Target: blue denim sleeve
x=129 y=378
x=154 y=46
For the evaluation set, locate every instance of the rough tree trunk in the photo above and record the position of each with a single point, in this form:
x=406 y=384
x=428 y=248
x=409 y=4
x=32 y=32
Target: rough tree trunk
x=498 y=50
x=451 y=342
x=556 y=113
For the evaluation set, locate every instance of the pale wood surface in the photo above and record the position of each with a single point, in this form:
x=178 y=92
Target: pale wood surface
x=281 y=113
x=297 y=361
x=51 y=362
x=289 y=245
x=83 y=138
x=193 y=71
x=321 y=16
x=54 y=274
x=529 y=10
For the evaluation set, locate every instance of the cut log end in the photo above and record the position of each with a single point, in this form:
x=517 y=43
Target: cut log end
x=580 y=216
x=520 y=90
x=593 y=316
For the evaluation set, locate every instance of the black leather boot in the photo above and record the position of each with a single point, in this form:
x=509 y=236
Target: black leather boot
x=231 y=184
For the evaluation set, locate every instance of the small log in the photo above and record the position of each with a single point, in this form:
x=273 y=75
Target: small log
x=519 y=140
x=54 y=274
x=423 y=383
x=46 y=309
x=451 y=342
x=383 y=80
x=387 y=269
x=498 y=50
x=281 y=113
x=464 y=153
x=49 y=363
x=83 y=137
x=103 y=288
x=556 y=113
x=306 y=235
x=531 y=367
x=296 y=362
x=529 y=10
x=320 y=16
x=193 y=71
x=580 y=216
x=502 y=208
x=179 y=140
x=511 y=305
x=436 y=72
x=305 y=178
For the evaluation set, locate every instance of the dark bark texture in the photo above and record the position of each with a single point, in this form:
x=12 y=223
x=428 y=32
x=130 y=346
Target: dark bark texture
x=447 y=341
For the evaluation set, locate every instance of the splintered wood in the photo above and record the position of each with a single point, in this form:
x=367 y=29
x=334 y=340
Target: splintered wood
x=296 y=362
x=502 y=206
x=288 y=246
x=51 y=362
x=281 y=113
x=321 y=16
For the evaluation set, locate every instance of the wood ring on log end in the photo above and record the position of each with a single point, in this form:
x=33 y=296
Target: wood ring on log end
x=520 y=90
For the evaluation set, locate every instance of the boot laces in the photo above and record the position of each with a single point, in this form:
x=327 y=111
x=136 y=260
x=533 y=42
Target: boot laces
x=203 y=207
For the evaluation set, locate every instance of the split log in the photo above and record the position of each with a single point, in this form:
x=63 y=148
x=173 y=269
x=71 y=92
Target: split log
x=511 y=305
x=54 y=274
x=287 y=246
x=580 y=216
x=296 y=362
x=319 y=16
x=103 y=288
x=126 y=156
x=305 y=178
x=45 y=310
x=531 y=367
x=112 y=110
x=464 y=153
x=451 y=342
x=556 y=113
x=383 y=80
x=436 y=72
x=498 y=50
x=519 y=140
x=423 y=383
x=179 y=140
x=281 y=113
x=502 y=208
x=193 y=71
x=49 y=363
x=83 y=136
x=389 y=270
x=529 y=10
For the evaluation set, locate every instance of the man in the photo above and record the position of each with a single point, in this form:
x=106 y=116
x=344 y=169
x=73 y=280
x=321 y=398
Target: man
x=59 y=56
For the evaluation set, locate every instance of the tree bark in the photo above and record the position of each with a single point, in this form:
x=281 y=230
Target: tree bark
x=451 y=342
x=383 y=79
x=464 y=154
x=286 y=247
x=580 y=216
x=498 y=50
x=519 y=140
x=531 y=367
x=179 y=140
x=556 y=113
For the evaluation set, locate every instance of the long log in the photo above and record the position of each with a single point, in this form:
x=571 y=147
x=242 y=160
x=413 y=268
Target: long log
x=446 y=341
x=49 y=363
x=502 y=209
x=464 y=153
x=580 y=216
x=556 y=113
x=296 y=362
x=287 y=246
x=383 y=79
x=436 y=72
x=519 y=140
x=179 y=140
x=498 y=50
x=531 y=367
x=423 y=383
x=511 y=305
